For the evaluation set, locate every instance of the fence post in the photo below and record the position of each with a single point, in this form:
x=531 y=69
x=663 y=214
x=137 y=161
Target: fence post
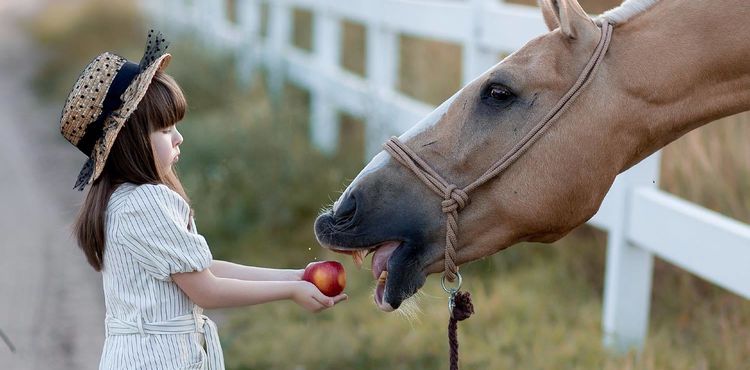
x=279 y=31
x=381 y=67
x=197 y=20
x=629 y=270
x=476 y=58
x=207 y=21
x=157 y=12
x=324 y=122
x=216 y=12
x=165 y=16
x=248 y=20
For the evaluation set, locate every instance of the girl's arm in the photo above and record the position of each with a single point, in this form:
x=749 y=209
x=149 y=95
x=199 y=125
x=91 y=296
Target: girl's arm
x=209 y=291
x=224 y=269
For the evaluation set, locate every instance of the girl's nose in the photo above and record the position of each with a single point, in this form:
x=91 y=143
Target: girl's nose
x=178 y=138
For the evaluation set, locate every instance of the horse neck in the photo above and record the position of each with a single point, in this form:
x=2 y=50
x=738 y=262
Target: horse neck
x=679 y=65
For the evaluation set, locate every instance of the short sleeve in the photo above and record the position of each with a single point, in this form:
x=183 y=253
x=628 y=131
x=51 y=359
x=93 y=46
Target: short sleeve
x=154 y=228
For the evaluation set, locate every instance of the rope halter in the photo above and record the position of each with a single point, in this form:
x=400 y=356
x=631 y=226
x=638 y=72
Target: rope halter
x=456 y=198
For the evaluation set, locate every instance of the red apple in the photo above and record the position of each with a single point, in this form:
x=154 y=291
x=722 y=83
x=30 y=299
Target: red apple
x=328 y=276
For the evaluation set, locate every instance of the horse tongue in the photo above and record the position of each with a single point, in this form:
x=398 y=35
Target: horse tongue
x=381 y=256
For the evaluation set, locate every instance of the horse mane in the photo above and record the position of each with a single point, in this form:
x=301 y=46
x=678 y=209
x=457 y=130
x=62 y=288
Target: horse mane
x=627 y=10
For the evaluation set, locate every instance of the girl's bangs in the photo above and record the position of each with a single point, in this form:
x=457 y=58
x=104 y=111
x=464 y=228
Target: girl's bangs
x=165 y=102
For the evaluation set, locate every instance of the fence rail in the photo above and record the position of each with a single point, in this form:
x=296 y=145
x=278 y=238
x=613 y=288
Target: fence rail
x=641 y=220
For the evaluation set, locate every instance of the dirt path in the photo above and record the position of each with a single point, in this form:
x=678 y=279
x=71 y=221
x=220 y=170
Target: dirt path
x=51 y=304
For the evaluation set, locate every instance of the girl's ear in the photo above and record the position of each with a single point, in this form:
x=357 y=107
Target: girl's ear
x=568 y=16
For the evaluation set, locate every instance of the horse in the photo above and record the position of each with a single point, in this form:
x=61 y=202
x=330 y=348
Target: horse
x=668 y=67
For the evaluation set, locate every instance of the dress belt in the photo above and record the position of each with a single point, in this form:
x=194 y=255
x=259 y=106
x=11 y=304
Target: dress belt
x=185 y=324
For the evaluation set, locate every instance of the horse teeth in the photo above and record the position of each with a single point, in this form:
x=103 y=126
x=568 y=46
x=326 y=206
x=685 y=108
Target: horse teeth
x=383 y=277
x=359 y=257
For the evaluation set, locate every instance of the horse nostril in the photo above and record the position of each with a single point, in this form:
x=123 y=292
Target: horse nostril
x=345 y=211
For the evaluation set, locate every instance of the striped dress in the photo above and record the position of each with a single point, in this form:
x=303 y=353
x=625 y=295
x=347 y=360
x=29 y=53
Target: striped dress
x=150 y=323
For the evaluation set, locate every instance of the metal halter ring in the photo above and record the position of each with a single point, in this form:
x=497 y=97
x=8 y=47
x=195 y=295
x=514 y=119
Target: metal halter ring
x=451 y=290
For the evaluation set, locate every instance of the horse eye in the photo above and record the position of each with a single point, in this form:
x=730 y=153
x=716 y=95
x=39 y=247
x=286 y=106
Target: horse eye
x=500 y=93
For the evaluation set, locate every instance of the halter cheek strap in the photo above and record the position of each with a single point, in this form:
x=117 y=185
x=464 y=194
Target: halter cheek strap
x=456 y=198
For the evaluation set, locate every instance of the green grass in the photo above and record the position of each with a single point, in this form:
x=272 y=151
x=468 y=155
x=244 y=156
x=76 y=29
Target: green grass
x=257 y=185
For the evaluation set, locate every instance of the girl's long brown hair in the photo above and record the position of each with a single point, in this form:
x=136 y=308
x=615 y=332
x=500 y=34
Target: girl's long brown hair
x=131 y=159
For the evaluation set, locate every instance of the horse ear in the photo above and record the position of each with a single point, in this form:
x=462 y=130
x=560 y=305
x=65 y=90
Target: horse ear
x=550 y=13
x=568 y=16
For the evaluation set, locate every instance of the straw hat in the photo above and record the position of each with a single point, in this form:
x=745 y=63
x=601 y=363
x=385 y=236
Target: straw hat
x=105 y=95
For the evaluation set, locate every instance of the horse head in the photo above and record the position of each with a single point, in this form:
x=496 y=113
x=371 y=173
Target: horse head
x=552 y=186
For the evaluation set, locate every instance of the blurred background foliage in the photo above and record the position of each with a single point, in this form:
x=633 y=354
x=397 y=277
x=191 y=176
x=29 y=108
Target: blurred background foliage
x=257 y=184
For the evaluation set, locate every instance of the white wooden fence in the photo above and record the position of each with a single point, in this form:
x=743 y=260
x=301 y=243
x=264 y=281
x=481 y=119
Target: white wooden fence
x=641 y=220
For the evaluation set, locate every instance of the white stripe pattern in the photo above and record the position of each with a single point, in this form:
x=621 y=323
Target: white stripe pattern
x=151 y=323
x=185 y=324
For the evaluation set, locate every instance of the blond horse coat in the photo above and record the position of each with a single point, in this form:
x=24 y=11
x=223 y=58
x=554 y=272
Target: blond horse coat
x=671 y=67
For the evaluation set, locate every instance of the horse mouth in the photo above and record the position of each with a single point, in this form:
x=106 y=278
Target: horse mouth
x=381 y=256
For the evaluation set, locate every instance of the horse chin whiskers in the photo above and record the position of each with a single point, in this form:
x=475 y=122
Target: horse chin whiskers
x=411 y=309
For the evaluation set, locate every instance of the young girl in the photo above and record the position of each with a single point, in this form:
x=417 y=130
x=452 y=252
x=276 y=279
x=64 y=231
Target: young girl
x=136 y=224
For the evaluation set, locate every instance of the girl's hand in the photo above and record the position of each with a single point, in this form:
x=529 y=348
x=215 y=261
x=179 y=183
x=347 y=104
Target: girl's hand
x=296 y=275
x=310 y=298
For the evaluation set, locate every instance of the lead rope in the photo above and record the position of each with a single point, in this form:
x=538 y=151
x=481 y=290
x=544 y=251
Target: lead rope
x=460 y=308
x=455 y=198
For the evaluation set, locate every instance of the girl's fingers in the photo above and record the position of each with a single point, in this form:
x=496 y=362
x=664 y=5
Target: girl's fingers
x=324 y=300
x=315 y=306
x=297 y=274
x=339 y=298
